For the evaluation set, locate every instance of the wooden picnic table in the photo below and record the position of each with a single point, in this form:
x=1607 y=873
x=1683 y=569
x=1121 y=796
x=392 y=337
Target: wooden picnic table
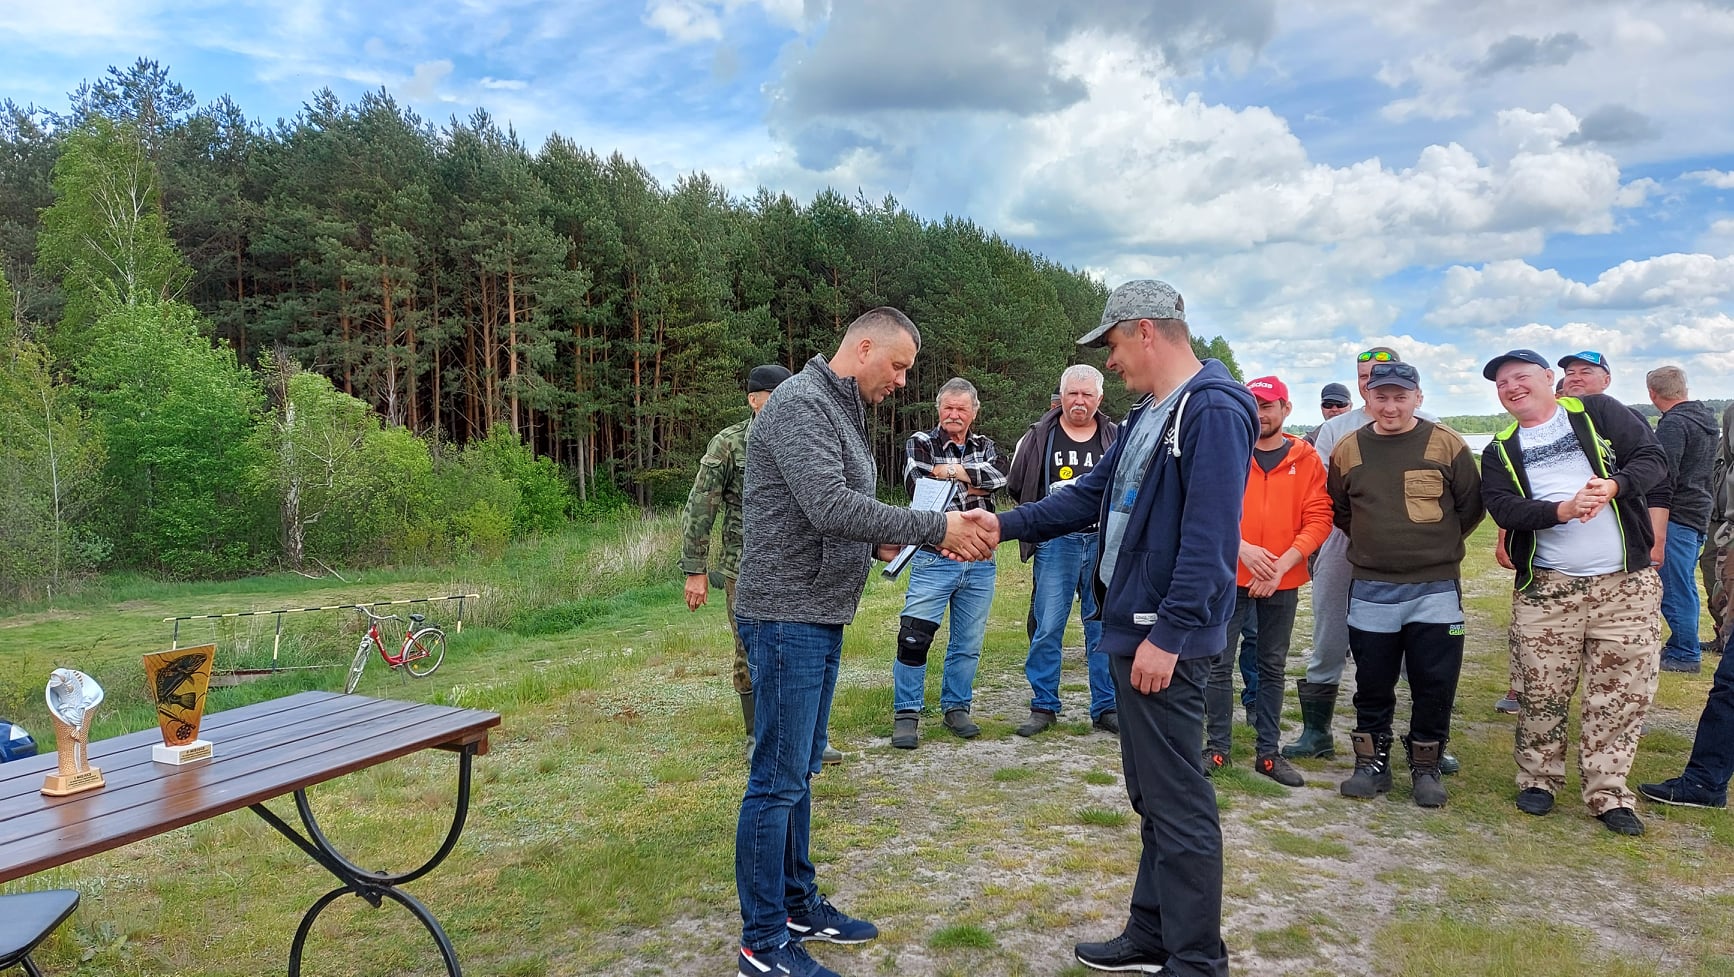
x=264 y=750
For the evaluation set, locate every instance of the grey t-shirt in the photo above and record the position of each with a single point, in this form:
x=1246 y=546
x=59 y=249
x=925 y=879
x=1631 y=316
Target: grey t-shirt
x=1141 y=442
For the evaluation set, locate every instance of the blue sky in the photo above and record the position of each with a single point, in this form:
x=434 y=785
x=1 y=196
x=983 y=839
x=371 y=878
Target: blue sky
x=1450 y=178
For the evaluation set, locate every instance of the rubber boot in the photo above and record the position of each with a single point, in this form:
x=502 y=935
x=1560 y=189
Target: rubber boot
x=1317 y=703
x=1372 y=775
x=747 y=716
x=1424 y=755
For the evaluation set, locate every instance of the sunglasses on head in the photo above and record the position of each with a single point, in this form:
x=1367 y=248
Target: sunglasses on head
x=1376 y=356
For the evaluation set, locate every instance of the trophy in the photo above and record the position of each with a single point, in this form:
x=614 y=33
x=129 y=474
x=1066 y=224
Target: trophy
x=72 y=697
x=178 y=681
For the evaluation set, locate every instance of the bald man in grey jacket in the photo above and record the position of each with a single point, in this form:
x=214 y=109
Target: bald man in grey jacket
x=812 y=526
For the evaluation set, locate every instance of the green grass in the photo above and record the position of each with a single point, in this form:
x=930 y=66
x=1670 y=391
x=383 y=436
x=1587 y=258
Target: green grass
x=601 y=837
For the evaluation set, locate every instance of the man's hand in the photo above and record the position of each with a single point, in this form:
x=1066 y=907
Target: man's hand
x=1260 y=562
x=970 y=535
x=697 y=590
x=886 y=552
x=1588 y=501
x=1261 y=587
x=1152 y=668
x=1501 y=555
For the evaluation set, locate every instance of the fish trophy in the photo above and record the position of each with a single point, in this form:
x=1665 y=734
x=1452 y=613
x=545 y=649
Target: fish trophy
x=178 y=681
x=72 y=697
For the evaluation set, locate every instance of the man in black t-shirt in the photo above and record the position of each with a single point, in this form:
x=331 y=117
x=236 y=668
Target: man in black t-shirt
x=1056 y=451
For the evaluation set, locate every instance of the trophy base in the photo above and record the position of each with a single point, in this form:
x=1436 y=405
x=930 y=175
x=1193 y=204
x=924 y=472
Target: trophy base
x=59 y=785
x=189 y=753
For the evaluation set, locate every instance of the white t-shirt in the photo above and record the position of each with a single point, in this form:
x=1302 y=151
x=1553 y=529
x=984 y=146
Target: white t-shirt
x=1557 y=468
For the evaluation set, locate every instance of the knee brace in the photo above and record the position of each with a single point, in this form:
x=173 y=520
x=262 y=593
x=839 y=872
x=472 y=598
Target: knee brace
x=913 y=640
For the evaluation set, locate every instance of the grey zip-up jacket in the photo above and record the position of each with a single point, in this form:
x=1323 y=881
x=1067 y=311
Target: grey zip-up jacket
x=1687 y=433
x=811 y=520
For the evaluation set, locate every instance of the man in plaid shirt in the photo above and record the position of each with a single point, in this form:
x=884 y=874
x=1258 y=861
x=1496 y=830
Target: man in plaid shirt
x=948 y=452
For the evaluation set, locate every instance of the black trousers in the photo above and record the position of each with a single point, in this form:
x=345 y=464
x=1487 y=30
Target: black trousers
x=1433 y=657
x=1177 y=897
x=1275 y=617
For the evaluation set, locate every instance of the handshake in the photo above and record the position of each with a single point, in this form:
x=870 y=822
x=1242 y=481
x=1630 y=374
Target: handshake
x=970 y=535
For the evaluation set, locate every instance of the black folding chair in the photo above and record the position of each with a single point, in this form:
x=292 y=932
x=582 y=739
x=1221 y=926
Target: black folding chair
x=26 y=919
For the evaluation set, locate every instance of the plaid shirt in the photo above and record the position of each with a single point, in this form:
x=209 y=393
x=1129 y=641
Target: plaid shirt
x=977 y=455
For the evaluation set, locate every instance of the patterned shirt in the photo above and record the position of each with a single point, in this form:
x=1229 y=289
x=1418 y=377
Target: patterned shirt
x=976 y=454
x=716 y=490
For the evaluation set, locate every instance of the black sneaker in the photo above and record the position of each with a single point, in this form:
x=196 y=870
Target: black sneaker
x=1679 y=665
x=1214 y=760
x=829 y=924
x=1279 y=770
x=789 y=960
x=1681 y=794
x=1534 y=800
x=1120 y=955
x=1622 y=821
x=1108 y=722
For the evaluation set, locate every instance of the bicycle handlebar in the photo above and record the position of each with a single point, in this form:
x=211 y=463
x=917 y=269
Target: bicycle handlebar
x=376 y=617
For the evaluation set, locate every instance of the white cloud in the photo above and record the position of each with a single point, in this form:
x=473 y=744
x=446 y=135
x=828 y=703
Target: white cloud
x=424 y=84
x=687 y=21
x=1687 y=280
x=504 y=84
x=1720 y=179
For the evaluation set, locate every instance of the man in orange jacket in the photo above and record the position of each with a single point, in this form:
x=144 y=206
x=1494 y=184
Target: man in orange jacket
x=1285 y=517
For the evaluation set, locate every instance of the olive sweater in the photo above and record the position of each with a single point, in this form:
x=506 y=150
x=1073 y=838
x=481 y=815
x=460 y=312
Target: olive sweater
x=1407 y=502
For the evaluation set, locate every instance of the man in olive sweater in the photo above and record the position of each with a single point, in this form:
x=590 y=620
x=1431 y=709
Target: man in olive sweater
x=1407 y=493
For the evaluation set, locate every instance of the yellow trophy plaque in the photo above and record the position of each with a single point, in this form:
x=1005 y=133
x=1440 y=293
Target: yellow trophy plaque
x=178 y=681
x=72 y=697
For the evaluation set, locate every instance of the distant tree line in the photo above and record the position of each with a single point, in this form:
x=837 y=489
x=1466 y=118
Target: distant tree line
x=246 y=318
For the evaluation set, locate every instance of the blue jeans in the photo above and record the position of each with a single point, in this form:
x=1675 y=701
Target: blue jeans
x=967 y=588
x=794 y=671
x=1680 y=592
x=1064 y=568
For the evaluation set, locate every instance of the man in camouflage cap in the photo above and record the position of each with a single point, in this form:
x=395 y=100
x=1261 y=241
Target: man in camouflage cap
x=717 y=491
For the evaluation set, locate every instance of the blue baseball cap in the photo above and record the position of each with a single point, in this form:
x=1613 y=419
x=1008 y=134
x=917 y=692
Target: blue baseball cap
x=1591 y=357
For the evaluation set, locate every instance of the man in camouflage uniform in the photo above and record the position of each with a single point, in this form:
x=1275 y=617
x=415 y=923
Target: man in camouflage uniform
x=717 y=491
x=1567 y=482
x=1717 y=563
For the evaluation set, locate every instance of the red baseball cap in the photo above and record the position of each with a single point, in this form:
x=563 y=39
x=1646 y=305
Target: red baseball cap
x=1268 y=389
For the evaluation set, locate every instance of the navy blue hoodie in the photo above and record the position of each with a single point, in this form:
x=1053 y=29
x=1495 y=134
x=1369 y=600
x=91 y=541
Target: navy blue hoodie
x=1174 y=580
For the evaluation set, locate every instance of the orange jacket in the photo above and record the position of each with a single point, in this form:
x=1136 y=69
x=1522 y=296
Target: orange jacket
x=1286 y=507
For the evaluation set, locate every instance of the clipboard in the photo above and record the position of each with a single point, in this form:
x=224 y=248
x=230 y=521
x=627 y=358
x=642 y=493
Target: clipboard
x=931 y=495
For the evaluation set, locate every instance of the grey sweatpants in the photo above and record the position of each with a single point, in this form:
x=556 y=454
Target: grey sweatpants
x=1331 y=575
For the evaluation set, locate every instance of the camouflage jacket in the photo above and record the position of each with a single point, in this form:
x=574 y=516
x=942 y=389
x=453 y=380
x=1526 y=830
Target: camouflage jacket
x=716 y=490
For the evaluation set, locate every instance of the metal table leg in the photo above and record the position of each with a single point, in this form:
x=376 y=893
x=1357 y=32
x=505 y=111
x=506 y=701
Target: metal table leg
x=374 y=886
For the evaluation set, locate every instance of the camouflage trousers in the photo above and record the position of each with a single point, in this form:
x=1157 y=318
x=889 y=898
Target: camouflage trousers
x=1717 y=568
x=742 y=678
x=1607 y=629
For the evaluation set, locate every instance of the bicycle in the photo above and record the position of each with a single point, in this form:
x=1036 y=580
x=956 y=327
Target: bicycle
x=423 y=647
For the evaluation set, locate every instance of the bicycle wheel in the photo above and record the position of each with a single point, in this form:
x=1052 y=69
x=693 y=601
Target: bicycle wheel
x=427 y=648
x=356 y=667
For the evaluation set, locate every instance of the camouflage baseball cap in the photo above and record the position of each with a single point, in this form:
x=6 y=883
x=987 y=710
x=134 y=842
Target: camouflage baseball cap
x=1145 y=298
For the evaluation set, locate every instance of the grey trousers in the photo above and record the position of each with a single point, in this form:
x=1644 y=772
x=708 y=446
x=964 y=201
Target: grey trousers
x=1331 y=574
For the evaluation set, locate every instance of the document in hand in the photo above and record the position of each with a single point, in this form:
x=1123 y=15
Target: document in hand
x=931 y=495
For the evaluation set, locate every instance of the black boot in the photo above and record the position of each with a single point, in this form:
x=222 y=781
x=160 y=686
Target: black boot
x=747 y=716
x=1424 y=756
x=1372 y=775
x=1317 y=704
